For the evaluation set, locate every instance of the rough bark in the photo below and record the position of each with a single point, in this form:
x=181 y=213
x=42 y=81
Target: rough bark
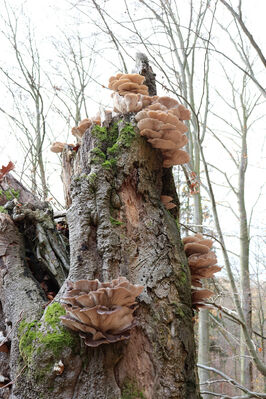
x=117 y=226
x=143 y=68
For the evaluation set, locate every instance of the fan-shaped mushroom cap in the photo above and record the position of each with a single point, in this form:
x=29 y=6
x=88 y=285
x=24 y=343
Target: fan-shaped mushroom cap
x=141 y=115
x=194 y=247
x=101 y=311
x=84 y=125
x=199 y=239
x=160 y=115
x=168 y=102
x=86 y=285
x=166 y=198
x=179 y=158
x=199 y=295
x=170 y=205
x=76 y=325
x=149 y=123
x=115 y=84
x=127 y=86
x=168 y=126
x=202 y=260
x=151 y=134
x=207 y=242
x=157 y=107
x=188 y=239
x=104 y=320
x=57 y=147
x=207 y=272
x=162 y=144
x=181 y=112
x=174 y=135
x=132 y=102
x=135 y=78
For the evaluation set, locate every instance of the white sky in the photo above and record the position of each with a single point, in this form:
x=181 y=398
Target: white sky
x=52 y=17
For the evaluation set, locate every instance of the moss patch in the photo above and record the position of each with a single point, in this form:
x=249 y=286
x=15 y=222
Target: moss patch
x=109 y=143
x=9 y=194
x=48 y=336
x=115 y=222
x=131 y=391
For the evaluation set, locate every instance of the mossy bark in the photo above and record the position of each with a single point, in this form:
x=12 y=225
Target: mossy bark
x=118 y=226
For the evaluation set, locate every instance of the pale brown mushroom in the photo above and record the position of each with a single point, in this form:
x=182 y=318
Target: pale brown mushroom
x=149 y=123
x=141 y=115
x=132 y=102
x=101 y=312
x=157 y=107
x=174 y=135
x=82 y=127
x=181 y=112
x=168 y=102
x=166 y=200
x=162 y=144
x=202 y=260
x=125 y=83
x=179 y=157
x=194 y=248
x=151 y=134
x=202 y=263
x=57 y=147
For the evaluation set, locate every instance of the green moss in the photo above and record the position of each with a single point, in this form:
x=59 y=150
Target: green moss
x=10 y=194
x=127 y=135
x=113 y=150
x=99 y=132
x=131 y=391
x=115 y=222
x=3 y=210
x=98 y=152
x=47 y=336
x=109 y=164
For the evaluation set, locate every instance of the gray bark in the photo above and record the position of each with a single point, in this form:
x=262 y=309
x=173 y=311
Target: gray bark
x=159 y=359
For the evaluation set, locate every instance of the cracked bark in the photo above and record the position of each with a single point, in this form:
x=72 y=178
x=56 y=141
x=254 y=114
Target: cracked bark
x=143 y=245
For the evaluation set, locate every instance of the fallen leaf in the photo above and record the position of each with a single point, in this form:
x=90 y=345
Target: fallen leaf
x=6 y=169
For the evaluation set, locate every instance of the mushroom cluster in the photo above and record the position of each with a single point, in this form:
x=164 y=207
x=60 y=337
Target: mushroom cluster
x=58 y=147
x=167 y=201
x=202 y=263
x=162 y=123
x=102 y=313
x=128 y=83
x=79 y=131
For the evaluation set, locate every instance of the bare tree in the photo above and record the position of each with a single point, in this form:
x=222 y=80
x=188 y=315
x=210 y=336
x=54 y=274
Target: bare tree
x=25 y=87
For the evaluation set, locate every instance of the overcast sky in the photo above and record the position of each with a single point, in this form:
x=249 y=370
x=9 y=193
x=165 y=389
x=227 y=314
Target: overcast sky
x=50 y=18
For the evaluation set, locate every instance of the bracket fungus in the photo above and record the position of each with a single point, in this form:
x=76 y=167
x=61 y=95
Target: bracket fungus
x=79 y=131
x=167 y=202
x=202 y=263
x=124 y=83
x=102 y=313
x=164 y=130
x=160 y=119
x=58 y=147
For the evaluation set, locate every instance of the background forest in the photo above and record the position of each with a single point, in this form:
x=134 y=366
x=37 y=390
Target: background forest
x=54 y=70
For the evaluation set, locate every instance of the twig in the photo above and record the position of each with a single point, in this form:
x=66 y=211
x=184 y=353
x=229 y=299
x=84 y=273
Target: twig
x=12 y=382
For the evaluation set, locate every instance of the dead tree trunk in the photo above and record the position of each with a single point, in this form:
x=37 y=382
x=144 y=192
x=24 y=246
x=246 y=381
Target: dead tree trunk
x=117 y=227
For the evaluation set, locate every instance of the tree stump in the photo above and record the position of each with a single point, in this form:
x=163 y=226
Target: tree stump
x=117 y=227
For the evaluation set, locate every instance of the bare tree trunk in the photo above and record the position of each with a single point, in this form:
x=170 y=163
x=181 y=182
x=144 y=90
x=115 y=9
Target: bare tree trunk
x=117 y=226
x=245 y=290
